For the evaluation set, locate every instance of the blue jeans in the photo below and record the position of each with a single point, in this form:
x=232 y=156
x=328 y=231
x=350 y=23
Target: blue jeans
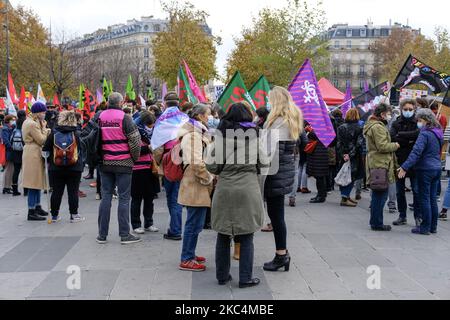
x=293 y=194
x=109 y=182
x=194 y=225
x=34 y=198
x=378 y=202
x=401 y=198
x=347 y=191
x=446 y=204
x=175 y=210
x=428 y=181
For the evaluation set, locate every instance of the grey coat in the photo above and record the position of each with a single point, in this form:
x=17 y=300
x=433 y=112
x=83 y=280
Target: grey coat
x=237 y=206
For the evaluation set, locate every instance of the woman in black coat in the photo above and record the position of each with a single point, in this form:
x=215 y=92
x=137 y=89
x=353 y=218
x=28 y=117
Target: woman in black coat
x=17 y=152
x=317 y=165
x=350 y=142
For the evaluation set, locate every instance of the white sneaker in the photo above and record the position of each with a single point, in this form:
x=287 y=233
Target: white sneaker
x=152 y=229
x=139 y=231
x=97 y=197
x=77 y=219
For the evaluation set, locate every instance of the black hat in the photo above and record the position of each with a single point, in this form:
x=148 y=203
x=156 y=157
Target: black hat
x=171 y=96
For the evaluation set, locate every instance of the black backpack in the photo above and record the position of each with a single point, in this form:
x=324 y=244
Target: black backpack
x=17 y=140
x=91 y=139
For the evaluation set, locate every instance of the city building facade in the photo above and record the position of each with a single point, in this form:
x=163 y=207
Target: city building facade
x=351 y=57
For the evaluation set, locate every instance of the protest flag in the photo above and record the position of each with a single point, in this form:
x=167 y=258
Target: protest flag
x=106 y=90
x=235 y=92
x=150 y=94
x=22 y=99
x=370 y=99
x=111 y=89
x=142 y=100
x=2 y=104
x=130 y=94
x=184 y=90
x=99 y=96
x=347 y=105
x=81 y=97
x=12 y=89
x=90 y=103
x=167 y=126
x=307 y=96
x=11 y=110
x=40 y=95
x=260 y=93
x=56 y=102
x=164 y=90
x=193 y=85
x=416 y=72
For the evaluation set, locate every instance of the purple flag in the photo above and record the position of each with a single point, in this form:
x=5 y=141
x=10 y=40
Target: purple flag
x=99 y=96
x=366 y=86
x=306 y=94
x=164 y=90
x=347 y=105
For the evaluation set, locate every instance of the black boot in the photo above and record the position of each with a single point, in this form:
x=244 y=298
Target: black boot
x=7 y=191
x=278 y=263
x=318 y=200
x=16 y=192
x=25 y=192
x=41 y=212
x=33 y=216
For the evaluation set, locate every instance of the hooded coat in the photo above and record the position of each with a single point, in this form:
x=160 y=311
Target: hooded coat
x=197 y=184
x=381 y=151
x=34 y=134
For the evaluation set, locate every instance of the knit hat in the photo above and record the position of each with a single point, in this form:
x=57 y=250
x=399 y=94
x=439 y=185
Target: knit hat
x=172 y=97
x=38 y=107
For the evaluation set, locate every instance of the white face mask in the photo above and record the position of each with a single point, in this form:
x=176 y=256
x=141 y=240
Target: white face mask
x=388 y=117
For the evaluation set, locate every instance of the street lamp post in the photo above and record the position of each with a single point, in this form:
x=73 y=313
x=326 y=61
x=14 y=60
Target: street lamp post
x=6 y=26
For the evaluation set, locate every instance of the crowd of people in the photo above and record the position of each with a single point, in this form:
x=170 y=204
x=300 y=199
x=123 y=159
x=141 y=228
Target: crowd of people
x=219 y=193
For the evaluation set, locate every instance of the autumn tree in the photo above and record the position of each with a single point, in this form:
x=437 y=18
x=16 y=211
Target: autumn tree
x=186 y=37
x=28 y=49
x=391 y=53
x=279 y=41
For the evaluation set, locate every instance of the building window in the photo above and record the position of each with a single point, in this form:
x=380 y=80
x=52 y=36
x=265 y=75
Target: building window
x=363 y=33
x=349 y=33
x=146 y=53
x=362 y=84
x=336 y=44
x=348 y=70
x=157 y=28
x=146 y=67
x=363 y=45
x=349 y=56
x=349 y=44
x=146 y=40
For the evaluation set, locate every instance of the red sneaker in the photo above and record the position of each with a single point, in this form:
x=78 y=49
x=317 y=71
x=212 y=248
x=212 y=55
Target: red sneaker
x=200 y=259
x=192 y=265
x=81 y=194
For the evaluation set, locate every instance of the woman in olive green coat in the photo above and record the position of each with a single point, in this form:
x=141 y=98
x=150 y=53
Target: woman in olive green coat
x=237 y=207
x=381 y=155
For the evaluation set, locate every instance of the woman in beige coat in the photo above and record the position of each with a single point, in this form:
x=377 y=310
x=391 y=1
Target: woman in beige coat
x=35 y=134
x=196 y=186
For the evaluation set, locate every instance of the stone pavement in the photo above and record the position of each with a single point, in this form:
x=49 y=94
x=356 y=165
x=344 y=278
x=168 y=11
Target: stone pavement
x=331 y=249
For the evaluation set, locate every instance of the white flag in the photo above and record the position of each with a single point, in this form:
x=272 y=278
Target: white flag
x=40 y=95
x=142 y=101
x=10 y=105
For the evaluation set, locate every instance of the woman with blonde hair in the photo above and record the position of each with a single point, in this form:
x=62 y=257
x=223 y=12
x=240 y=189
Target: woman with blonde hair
x=286 y=122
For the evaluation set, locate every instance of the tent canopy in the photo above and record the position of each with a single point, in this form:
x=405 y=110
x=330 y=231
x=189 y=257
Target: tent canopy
x=331 y=95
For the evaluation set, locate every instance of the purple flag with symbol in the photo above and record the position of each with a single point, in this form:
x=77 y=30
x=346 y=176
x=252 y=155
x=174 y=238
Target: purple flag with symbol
x=306 y=94
x=348 y=101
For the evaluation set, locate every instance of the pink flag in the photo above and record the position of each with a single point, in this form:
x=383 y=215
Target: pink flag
x=348 y=101
x=164 y=90
x=193 y=84
x=306 y=94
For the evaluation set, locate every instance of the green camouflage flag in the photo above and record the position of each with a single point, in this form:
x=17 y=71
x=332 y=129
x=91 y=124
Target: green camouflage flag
x=185 y=92
x=235 y=92
x=260 y=93
x=81 y=97
x=131 y=95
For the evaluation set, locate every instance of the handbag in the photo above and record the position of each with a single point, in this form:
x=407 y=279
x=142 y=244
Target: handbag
x=311 y=146
x=344 y=177
x=379 y=180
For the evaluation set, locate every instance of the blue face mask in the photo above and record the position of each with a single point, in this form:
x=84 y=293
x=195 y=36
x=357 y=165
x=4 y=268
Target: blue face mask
x=213 y=123
x=13 y=123
x=420 y=125
x=408 y=114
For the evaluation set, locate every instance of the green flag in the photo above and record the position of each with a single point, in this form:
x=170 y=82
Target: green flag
x=235 y=92
x=150 y=94
x=111 y=90
x=81 y=98
x=185 y=92
x=106 y=91
x=260 y=93
x=131 y=95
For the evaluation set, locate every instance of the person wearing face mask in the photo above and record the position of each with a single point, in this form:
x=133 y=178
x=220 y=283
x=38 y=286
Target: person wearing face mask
x=144 y=184
x=425 y=159
x=35 y=133
x=196 y=185
x=8 y=128
x=380 y=158
x=404 y=131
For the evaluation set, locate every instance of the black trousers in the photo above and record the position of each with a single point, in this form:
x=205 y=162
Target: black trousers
x=321 y=183
x=136 y=203
x=99 y=183
x=61 y=179
x=223 y=257
x=17 y=169
x=275 y=209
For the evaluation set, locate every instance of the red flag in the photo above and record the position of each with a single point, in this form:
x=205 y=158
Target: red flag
x=89 y=103
x=56 y=102
x=22 y=100
x=2 y=104
x=12 y=89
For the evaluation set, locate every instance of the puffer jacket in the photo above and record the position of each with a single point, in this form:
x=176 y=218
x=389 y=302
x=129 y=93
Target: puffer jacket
x=350 y=141
x=318 y=161
x=405 y=132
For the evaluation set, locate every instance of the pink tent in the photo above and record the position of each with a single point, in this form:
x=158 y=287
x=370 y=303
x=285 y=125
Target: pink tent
x=331 y=95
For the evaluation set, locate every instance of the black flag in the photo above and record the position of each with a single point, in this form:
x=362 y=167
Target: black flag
x=416 y=72
x=373 y=97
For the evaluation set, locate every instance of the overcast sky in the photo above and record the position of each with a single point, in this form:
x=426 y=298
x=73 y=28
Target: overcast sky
x=228 y=16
